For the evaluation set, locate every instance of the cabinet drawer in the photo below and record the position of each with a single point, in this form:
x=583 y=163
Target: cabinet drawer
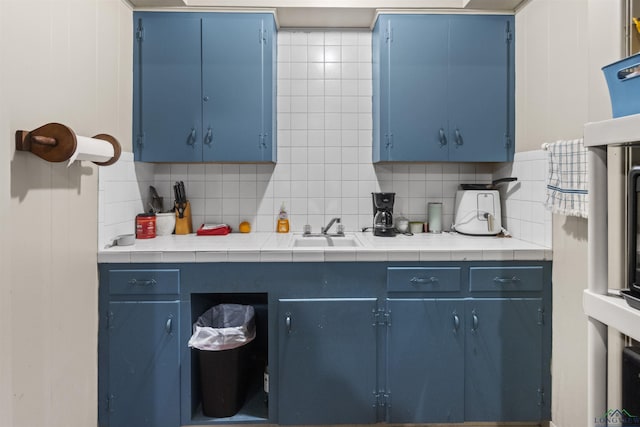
x=423 y=279
x=491 y=279
x=144 y=282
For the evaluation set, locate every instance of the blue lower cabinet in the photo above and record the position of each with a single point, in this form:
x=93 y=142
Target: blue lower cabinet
x=473 y=360
x=345 y=343
x=503 y=362
x=327 y=361
x=144 y=370
x=425 y=360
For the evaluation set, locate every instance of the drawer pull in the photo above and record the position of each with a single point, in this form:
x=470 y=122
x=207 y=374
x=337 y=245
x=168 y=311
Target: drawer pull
x=506 y=280
x=423 y=280
x=147 y=282
x=456 y=322
x=169 y=325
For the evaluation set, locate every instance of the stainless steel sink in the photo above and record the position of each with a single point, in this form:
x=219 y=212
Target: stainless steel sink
x=325 y=242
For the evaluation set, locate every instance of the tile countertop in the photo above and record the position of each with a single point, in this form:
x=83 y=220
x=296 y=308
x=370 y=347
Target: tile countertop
x=273 y=247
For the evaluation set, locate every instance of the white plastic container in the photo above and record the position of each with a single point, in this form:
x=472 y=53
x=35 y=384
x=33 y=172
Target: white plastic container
x=165 y=223
x=434 y=211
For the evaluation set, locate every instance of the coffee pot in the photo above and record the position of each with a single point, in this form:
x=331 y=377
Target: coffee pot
x=383 y=214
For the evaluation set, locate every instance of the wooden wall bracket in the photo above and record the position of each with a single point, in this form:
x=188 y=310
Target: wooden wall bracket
x=55 y=142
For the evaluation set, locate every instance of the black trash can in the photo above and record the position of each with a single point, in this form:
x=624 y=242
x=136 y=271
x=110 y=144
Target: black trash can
x=222 y=336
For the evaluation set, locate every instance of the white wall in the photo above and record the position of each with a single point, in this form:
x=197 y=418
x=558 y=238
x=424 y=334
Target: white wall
x=67 y=61
x=6 y=407
x=560 y=48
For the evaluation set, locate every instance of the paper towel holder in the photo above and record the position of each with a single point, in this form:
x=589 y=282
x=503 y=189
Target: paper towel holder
x=55 y=142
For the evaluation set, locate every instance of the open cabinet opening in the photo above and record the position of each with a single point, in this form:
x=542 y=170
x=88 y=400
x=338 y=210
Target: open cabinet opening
x=242 y=369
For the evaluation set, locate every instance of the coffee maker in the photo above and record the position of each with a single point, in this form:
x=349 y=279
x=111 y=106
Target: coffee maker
x=383 y=214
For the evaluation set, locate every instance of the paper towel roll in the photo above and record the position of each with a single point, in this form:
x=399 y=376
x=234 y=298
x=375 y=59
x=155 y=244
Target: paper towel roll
x=92 y=149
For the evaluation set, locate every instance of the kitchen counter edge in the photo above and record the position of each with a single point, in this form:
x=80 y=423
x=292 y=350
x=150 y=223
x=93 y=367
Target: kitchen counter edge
x=274 y=247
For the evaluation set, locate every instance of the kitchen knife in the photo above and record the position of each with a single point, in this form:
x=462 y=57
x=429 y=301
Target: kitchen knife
x=176 y=192
x=180 y=195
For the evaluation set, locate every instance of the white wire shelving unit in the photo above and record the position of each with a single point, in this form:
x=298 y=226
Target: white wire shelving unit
x=603 y=309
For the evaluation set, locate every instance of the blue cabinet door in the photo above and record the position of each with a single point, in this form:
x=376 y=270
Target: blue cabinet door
x=481 y=85
x=204 y=87
x=413 y=87
x=144 y=368
x=235 y=96
x=443 y=88
x=327 y=361
x=167 y=87
x=425 y=364
x=503 y=361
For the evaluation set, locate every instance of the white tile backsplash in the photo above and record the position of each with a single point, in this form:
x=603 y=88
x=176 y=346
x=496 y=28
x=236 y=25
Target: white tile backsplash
x=524 y=214
x=123 y=192
x=324 y=164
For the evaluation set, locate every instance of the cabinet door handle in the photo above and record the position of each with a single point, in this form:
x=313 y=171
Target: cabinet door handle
x=146 y=282
x=456 y=322
x=169 y=325
x=192 y=137
x=287 y=322
x=476 y=321
x=208 y=139
x=443 y=138
x=423 y=280
x=506 y=280
x=459 y=140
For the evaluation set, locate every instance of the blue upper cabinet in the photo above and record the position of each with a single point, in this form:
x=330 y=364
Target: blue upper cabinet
x=204 y=87
x=443 y=88
x=412 y=87
x=481 y=88
x=237 y=58
x=167 y=123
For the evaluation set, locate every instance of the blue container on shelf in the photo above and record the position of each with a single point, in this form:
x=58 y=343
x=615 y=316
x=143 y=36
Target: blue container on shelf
x=623 y=79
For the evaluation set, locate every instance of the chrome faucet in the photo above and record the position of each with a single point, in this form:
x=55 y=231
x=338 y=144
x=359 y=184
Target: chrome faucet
x=325 y=229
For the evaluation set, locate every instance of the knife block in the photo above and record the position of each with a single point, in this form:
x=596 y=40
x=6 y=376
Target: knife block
x=183 y=225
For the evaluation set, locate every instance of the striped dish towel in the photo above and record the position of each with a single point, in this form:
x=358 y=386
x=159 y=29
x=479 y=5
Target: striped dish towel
x=567 y=183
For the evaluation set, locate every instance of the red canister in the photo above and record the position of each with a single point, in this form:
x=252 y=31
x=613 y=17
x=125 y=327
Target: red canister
x=145 y=226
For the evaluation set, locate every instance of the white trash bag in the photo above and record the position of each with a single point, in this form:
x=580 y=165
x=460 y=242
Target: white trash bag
x=223 y=327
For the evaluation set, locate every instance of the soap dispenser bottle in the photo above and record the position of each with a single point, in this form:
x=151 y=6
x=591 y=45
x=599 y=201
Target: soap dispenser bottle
x=283 y=220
